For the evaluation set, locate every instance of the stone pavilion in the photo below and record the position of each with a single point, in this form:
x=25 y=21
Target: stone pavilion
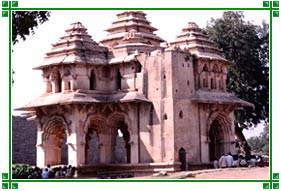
x=168 y=101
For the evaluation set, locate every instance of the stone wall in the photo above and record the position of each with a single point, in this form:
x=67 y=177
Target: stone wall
x=23 y=140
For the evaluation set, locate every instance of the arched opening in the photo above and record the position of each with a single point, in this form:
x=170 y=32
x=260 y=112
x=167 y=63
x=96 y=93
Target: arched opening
x=213 y=83
x=92 y=80
x=122 y=145
x=138 y=67
x=54 y=142
x=182 y=158
x=64 y=150
x=215 y=69
x=92 y=147
x=205 y=68
x=216 y=140
x=59 y=82
x=118 y=80
x=151 y=115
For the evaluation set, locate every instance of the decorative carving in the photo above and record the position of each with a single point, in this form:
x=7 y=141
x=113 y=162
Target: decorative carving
x=107 y=109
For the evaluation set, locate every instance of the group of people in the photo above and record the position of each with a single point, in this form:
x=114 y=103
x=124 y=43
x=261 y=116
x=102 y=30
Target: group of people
x=48 y=172
x=228 y=161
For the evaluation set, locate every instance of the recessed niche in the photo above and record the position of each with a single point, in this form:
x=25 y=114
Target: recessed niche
x=186 y=58
x=181 y=114
x=165 y=117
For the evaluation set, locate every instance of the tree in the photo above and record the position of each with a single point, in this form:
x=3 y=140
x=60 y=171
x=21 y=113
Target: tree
x=260 y=144
x=245 y=45
x=24 y=23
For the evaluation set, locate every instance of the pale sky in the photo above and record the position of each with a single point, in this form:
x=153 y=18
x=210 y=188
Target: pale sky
x=30 y=53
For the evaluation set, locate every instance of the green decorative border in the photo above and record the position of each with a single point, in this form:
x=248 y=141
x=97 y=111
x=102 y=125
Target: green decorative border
x=9 y=6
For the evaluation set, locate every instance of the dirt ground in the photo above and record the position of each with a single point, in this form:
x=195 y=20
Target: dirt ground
x=235 y=173
x=228 y=173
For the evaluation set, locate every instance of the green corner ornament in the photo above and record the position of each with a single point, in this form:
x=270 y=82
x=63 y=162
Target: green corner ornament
x=5 y=175
x=275 y=3
x=15 y=186
x=15 y=3
x=275 y=185
x=275 y=175
x=266 y=4
x=5 y=4
x=5 y=185
x=5 y=13
x=265 y=186
x=275 y=13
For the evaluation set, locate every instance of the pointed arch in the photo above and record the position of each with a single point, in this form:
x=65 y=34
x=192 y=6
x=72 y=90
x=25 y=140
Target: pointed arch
x=92 y=80
x=54 y=138
x=215 y=68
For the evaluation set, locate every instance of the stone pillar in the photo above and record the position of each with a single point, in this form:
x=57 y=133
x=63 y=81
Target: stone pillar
x=64 y=85
x=76 y=141
x=53 y=87
x=72 y=148
x=106 y=148
x=204 y=150
x=52 y=151
x=134 y=149
x=71 y=85
x=224 y=83
x=48 y=85
x=40 y=157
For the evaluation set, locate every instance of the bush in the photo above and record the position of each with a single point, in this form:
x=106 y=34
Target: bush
x=21 y=171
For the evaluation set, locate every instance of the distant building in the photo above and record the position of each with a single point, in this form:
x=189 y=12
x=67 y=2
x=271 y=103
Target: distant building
x=168 y=101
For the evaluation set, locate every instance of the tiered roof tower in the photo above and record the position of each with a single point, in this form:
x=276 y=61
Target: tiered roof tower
x=128 y=21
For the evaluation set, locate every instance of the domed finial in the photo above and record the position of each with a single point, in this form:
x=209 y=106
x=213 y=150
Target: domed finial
x=192 y=25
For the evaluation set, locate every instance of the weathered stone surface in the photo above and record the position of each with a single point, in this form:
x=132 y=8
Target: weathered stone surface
x=169 y=102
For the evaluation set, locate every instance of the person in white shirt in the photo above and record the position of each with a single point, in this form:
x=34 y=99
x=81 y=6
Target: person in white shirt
x=229 y=160
x=216 y=163
x=222 y=162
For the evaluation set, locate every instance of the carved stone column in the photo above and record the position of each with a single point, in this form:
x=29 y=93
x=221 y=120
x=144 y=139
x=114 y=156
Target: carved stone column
x=40 y=157
x=72 y=149
x=106 y=148
x=134 y=148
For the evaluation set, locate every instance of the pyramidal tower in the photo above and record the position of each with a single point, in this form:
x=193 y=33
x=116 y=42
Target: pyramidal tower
x=131 y=22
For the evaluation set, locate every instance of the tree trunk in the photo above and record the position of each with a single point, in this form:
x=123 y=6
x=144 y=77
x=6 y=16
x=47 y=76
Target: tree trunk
x=242 y=141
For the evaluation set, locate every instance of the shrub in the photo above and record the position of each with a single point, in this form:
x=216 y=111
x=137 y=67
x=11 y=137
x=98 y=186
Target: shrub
x=21 y=171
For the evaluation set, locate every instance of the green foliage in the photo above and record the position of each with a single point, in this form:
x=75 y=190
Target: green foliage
x=246 y=46
x=260 y=144
x=21 y=171
x=24 y=23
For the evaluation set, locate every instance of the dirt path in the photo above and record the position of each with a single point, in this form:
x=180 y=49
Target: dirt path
x=234 y=173
x=228 y=173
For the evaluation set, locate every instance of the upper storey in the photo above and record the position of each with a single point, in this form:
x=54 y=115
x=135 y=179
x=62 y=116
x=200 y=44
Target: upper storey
x=76 y=46
x=131 y=21
x=197 y=43
x=210 y=68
